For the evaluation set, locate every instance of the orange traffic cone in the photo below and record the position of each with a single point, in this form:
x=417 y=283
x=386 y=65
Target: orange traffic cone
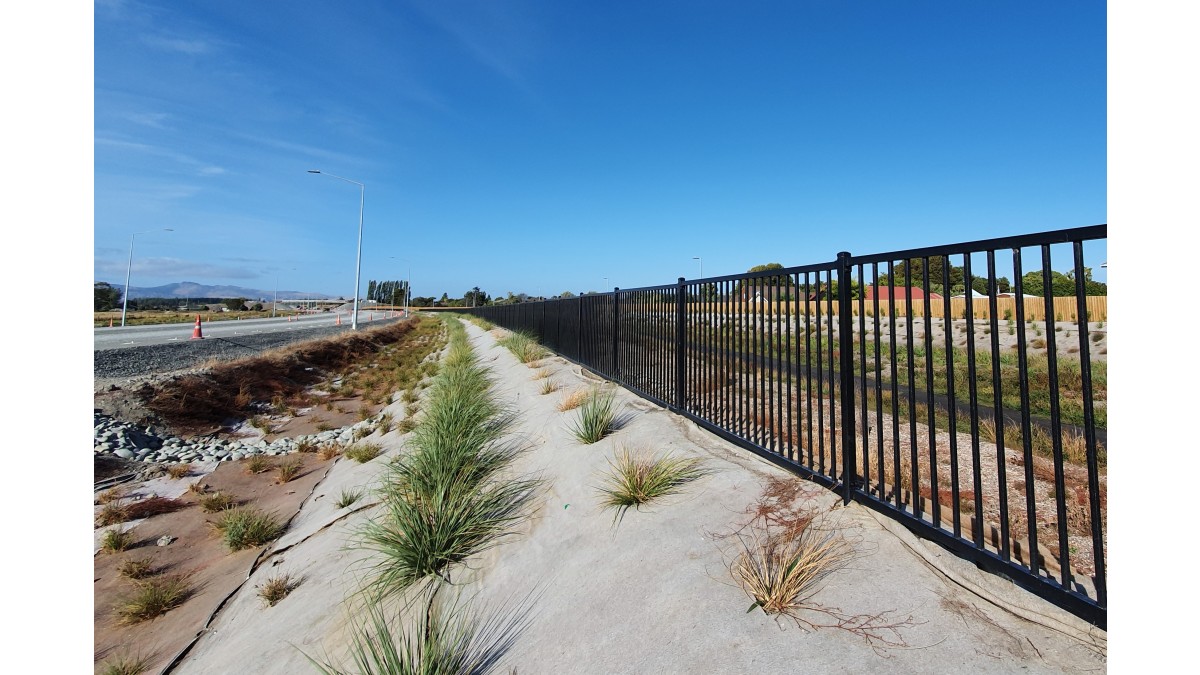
x=196 y=334
x=339 y=320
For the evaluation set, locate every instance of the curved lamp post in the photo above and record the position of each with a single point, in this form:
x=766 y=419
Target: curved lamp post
x=129 y=266
x=358 y=257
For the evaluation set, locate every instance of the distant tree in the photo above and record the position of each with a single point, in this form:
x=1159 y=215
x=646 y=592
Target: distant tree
x=107 y=297
x=421 y=301
x=1061 y=285
x=566 y=294
x=258 y=307
x=475 y=298
x=235 y=304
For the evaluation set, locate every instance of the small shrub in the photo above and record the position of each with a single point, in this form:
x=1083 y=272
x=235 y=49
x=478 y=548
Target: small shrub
x=406 y=425
x=247 y=528
x=258 y=464
x=348 y=497
x=410 y=396
x=198 y=488
x=328 y=452
x=116 y=540
x=289 y=468
x=136 y=568
x=364 y=452
x=360 y=433
x=276 y=589
x=178 y=471
x=306 y=445
x=1097 y=337
x=217 y=501
x=386 y=422
x=549 y=387
x=324 y=426
x=154 y=598
x=153 y=506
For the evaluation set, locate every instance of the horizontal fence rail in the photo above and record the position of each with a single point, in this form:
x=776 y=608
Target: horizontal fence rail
x=976 y=421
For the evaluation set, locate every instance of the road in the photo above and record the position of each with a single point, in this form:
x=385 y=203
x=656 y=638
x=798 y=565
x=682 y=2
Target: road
x=137 y=336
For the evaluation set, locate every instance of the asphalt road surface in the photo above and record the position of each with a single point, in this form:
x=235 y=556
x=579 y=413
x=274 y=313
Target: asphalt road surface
x=140 y=336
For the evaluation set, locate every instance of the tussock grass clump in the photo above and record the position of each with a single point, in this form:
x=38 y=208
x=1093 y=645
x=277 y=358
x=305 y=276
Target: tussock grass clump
x=635 y=479
x=541 y=374
x=328 y=452
x=782 y=571
x=277 y=588
x=364 y=452
x=247 y=528
x=385 y=423
x=573 y=400
x=125 y=664
x=258 y=464
x=523 y=346
x=217 y=501
x=111 y=514
x=178 y=471
x=348 y=497
x=442 y=640
x=306 y=445
x=116 y=540
x=111 y=495
x=549 y=387
x=597 y=417
x=289 y=469
x=136 y=568
x=153 y=598
x=450 y=498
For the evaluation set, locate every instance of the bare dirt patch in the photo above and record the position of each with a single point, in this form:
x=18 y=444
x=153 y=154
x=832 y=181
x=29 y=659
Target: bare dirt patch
x=196 y=553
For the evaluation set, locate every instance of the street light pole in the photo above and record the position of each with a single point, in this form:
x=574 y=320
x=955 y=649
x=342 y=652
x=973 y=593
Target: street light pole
x=129 y=267
x=275 y=301
x=408 y=285
x=358 y=257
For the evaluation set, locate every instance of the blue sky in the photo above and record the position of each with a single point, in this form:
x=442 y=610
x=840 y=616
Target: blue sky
x=547 y=146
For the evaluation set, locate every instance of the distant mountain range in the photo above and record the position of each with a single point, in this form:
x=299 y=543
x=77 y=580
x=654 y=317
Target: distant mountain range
x=190 y=289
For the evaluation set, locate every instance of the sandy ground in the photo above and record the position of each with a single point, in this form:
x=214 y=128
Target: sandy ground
x=652 y=593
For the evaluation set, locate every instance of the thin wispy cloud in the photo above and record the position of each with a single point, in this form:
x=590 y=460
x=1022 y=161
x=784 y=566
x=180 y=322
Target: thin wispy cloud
x=190 y=47
x=201 y=168
x=493 y=33
x=154 y=120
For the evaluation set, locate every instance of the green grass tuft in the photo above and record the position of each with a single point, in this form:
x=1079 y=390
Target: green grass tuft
x=363 y=452
x=523 y=346
x=154 y=598
x=246 y=528
x=634 y=480
x=597 y=417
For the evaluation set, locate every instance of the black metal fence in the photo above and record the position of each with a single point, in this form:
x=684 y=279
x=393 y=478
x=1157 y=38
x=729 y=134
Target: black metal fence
x=977 y=421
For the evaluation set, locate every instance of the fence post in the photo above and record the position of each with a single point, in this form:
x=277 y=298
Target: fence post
x=579 y=327
x=616 y=363
x=846 y=376
x=680 y=335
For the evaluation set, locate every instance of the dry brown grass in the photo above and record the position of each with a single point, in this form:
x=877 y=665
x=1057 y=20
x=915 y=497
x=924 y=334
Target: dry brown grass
x=217 y=501
x=178 y=471
x=782 y=570
x=153 y=598
x=276 y=589
x=112 y=495
x=573 y=400
x=328 y=452
x=257 y=464
x=289 y=468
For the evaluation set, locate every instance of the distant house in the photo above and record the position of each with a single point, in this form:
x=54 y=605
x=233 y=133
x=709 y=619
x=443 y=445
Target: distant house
x=897 y=292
